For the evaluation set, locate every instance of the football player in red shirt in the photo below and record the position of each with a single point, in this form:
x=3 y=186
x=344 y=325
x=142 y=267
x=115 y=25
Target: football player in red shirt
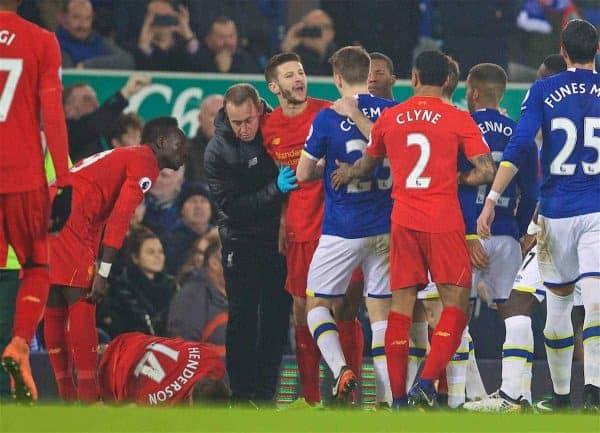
x=107 y=188
x=284 y=133
x=157 y=371
x=421 y=138
x=30 y=92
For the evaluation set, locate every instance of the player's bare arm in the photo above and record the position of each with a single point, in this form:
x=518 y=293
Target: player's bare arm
x=363 y=167
x=506 y=172
x=100 y=285
x=529 y=239
x=348 y=106
x=483 y=173
x=309 y=168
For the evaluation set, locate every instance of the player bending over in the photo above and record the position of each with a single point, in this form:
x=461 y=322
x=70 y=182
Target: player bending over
x=107 y=188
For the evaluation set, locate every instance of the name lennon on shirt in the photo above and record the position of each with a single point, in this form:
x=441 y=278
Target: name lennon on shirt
x=568 y=90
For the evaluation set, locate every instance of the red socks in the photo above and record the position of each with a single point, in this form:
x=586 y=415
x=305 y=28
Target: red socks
x=308 y=356
x=83 y=339
x=55 y=335
x=31 y=301
x=396 y=351
x=443 y=383
x=352 y=342
x=444 y=342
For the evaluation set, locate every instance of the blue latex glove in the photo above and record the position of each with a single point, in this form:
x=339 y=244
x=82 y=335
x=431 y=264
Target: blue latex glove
x=286 y=180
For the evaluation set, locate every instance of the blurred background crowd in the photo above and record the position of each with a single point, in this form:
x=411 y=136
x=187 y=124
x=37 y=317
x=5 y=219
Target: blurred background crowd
x=239 y=36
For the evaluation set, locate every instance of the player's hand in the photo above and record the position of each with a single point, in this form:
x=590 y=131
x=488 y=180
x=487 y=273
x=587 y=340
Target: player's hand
x=99 y=290
x=61 y=209
x=485 y=220
x=341 y=176
x=135 y=83
x=479 y=257
x=286 y=180
x=346 y=106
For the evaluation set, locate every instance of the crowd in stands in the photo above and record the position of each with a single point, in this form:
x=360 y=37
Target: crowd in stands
x=170 y=278
x=238 y=36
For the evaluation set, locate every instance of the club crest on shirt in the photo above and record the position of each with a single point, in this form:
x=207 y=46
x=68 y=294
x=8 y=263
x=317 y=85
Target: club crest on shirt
x=252 y=162
x=276 y=141
x=145 y=184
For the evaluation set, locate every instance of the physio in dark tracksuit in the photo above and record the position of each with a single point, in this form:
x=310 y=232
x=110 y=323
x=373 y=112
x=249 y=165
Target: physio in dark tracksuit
x=248 y=190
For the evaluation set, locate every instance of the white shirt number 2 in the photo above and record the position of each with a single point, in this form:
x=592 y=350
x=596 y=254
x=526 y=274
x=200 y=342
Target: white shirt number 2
x=414 y=179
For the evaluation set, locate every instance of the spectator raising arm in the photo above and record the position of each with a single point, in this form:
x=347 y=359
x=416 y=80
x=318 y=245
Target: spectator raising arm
x=86 y=125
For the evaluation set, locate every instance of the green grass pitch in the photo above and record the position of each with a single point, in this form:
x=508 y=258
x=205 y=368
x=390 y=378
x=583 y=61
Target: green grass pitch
x=195 y=419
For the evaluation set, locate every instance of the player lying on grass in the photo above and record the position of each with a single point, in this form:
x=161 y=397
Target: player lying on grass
x=157 y=371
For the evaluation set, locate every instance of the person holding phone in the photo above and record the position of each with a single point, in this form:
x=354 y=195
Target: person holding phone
x=166 y=41
x=312 y=39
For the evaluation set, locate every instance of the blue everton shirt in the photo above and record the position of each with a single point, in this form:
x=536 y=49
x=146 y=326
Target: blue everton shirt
x=363 y=207
x=511 y=220
x=567 y=108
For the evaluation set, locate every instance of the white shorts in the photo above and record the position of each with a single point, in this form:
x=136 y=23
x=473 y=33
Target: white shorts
x=504 y=254
x=336 y=258
x=528 y=279
x=569 y=248
x=429 y=292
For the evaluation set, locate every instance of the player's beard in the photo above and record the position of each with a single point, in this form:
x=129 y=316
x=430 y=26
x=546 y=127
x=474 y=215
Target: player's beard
x=288 y=95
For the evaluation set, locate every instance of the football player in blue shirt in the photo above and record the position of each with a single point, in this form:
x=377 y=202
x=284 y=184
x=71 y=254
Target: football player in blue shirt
x=486 y=83
x=356 y=222
x=567 y=108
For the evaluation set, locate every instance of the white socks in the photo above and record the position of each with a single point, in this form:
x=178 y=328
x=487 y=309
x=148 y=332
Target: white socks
x=419 y=339
x=590 y=294
x=456 y=372
x=474 y=386
x=325 y=333
x=517 y=352
x=382 y=381
x=558 y=338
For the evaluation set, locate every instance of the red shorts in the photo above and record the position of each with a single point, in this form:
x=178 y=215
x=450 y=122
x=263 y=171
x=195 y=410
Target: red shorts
x=73 y=253
x=413 y=253
x=298 y=258
x=24 y=223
